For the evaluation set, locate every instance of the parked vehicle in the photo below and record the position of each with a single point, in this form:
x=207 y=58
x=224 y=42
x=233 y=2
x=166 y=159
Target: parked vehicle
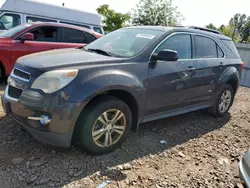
x=244 y=167
x=30 y=38
x=97 y=94
x=17 y=12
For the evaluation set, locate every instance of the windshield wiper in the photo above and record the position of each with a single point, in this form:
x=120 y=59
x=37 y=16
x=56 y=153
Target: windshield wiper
x=100 y=51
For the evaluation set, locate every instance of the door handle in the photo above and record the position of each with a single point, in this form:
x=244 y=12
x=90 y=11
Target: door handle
x=190 y=68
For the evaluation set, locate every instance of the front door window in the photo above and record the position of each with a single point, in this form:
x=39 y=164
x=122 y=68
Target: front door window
x=8 y=21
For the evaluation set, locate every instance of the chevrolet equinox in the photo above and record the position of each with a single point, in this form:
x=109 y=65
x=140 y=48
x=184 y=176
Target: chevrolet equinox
x=96 y=94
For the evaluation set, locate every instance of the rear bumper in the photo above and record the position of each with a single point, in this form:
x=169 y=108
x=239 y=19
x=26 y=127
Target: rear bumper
x=245 y=177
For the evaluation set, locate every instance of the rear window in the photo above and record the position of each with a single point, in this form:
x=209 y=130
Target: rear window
x=230 y=45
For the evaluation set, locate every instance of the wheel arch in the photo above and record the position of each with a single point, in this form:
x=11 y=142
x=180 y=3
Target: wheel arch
x=128 y=97
x=231 y=77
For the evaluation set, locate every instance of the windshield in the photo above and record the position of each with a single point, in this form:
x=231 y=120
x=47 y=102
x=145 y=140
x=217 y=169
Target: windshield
x=13 y=31
x=127 y=42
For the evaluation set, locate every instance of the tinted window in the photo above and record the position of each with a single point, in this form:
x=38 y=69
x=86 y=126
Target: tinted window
x=72 y=36
x=205 y=47
x=9 y=21
x=85 y=26
x=45 y=34
x=35 y=19
x=230 y=45
x=89 y=38
x=98 y=30
x=180 y=43
x=220 y=53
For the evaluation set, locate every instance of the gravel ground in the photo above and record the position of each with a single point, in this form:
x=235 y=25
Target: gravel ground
x=191 y=150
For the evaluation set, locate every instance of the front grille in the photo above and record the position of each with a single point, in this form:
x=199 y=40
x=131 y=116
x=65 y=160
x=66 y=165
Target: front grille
x=14 y=92
x=21 y=74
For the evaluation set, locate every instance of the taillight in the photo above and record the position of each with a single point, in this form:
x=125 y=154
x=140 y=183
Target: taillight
x=241 y=66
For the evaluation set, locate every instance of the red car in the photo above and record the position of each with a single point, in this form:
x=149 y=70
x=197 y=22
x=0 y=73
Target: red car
x=36 y=37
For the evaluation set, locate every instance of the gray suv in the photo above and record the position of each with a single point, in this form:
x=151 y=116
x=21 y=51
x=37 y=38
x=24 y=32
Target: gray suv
x=96 y=94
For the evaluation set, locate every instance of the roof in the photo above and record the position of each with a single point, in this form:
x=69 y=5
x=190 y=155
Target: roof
x=184 y=29
x=64 y=25
x=51 y=11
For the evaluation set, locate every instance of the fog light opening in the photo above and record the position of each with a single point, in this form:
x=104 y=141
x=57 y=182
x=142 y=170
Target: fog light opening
x=44 y=120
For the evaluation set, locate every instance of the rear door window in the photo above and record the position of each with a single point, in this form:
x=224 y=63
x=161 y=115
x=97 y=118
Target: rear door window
x=180 y=43
x=220 y=52
x=205 y=47
x=69 y=35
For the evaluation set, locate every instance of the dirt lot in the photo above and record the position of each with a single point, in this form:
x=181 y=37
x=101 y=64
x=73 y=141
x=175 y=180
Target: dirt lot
x=199 y=151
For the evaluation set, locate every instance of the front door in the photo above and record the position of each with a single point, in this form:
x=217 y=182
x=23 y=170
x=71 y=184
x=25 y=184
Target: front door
x=45 y=38
x=170 y=84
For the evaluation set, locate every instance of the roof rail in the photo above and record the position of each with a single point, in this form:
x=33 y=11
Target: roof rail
x=204 y=29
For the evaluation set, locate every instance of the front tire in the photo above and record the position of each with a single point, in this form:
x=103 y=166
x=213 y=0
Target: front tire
x=104 y=125
x=223 y=101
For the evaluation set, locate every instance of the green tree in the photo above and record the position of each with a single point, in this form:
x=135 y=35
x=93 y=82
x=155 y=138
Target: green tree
x=112 y=20
x=245 y=36
x=238 y=22
x=211 y=26
x=156 y=12
x=228 y=31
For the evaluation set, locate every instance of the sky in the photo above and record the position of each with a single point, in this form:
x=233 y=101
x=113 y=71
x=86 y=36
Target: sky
x=195 y=12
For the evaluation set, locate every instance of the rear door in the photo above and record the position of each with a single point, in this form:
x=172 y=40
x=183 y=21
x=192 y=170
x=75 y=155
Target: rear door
x=171 y=84
x=211 y=63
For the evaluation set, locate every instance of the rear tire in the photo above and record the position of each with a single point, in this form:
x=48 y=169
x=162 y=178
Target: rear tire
x=104 y=125
x=223 y=101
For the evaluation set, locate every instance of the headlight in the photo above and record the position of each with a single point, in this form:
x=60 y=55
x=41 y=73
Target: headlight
x=52 y=81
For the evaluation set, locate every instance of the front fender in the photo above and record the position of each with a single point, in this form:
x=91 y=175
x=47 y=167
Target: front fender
x=94 y=84
x=87 y=87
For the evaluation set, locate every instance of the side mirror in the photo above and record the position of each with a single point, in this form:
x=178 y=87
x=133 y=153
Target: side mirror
x=27 y=36
x=166 y=55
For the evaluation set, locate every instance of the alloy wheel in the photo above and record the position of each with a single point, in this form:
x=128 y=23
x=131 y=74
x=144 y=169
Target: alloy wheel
x=225 y=101
x=109 y=128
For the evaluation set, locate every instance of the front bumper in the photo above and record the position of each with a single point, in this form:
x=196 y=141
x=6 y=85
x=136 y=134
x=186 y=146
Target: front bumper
x=63 y=116
x=244 y=176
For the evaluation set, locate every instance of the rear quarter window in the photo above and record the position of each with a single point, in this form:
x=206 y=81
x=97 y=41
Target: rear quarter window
x=231 y=47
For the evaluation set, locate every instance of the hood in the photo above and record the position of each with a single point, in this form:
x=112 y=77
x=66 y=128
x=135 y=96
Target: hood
x=64 y=58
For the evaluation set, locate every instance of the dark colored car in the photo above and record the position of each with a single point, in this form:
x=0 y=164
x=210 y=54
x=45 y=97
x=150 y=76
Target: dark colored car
x=36 y=37
x=98 y=93
x=244 y=167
